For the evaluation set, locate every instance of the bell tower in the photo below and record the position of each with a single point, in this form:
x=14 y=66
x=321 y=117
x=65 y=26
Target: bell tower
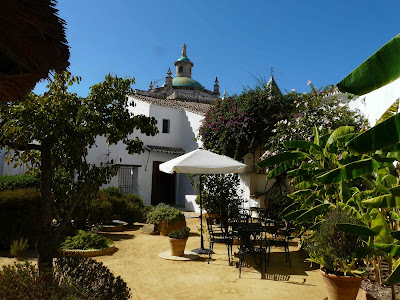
x=183 y=65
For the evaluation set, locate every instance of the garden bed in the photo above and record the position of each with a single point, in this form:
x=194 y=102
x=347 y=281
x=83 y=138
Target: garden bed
x=88 y=253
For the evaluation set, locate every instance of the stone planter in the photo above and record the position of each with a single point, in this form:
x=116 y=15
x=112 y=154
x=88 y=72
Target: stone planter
x=341 y=287
x=177 y=246
x=88 y=253
x=112 y=228
x=164 y=228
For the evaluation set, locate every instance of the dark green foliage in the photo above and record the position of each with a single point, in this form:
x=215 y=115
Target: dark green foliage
x=18 y=246
x=113 y=191
x=19 y=216
x=164 y=212
x=92 y=279
x=85 y=241
x=22 y=281
x=220 y=195
x=109 y=204
x=13 y=182
x=130 y=208
x=237 y=125
x=73 y=278
x=182 y=233
x=337 y=249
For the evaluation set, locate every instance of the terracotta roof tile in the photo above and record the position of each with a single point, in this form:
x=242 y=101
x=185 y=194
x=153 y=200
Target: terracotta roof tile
x=165 y=149
x=194 y=107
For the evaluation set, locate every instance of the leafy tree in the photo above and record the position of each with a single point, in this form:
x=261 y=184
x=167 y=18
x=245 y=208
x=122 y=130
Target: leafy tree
x=238 y=125
x=262 y=118
x=220 y=194
x=54 y=131
x=311 y=110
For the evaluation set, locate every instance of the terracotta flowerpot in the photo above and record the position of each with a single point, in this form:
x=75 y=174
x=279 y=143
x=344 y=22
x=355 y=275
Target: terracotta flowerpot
x=177 y=246
x=164 y=228
x=341 y=287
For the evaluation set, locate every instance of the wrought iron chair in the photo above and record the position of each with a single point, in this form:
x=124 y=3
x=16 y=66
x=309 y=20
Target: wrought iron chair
x=253 y=242
x=218 y=236
x=281 y=236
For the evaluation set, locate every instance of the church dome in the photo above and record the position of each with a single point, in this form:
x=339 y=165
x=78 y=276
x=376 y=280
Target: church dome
x=183 y=58
x=186 y=81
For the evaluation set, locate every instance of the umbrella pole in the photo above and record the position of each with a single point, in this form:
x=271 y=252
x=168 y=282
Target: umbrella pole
x=201 y=250
x=201 y=218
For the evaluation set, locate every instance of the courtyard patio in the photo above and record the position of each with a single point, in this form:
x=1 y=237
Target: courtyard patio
x=137 y=261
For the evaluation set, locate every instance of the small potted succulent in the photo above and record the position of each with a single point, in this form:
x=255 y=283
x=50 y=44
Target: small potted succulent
x=177 y=240
x=340 y=251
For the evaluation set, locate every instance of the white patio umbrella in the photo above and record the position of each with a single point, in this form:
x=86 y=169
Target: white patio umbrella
x=202 y=162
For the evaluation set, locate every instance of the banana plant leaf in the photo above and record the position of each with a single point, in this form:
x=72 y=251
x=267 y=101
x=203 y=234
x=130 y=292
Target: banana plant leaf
x=307 y=166
x=281 y=168
x=387 y=180
x=361 y=196
x=292 y=207
x=313 y=212
x=300 y=193
x=356 y=230
x=384 y=201
x=382 y=135
x=281 y=157
x=392 y=249
x=303 y=145
x=351 y=171
x=394 y=277
x=316 y=225
x=395 y=191
x=395 y=234
x=333 y=138
x=293 y=215
x=306 y=184
x=344 y=191
x=350 y=209
x=390 y=112
x=316 y=136
x=342 y=140
x=379 y=69
x=380 y=225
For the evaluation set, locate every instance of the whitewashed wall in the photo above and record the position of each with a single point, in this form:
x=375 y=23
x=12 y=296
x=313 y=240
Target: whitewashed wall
x=375 y=103
x=184 y=127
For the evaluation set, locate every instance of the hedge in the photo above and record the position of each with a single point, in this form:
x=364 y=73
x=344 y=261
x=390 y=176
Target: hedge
x=19 y=216
x=13 y=182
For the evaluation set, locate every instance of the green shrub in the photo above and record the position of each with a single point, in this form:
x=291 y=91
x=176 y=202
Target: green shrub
x=107 y=206
x=73 y=278
x=13 y=182
x=336 y=250
x=113 y=191
x=130 y=208
x=100 y=209
x=182 y=233
x=18 y=246
x=19 y=216
x=92 y=279
x=85 y=241
x=164 y=212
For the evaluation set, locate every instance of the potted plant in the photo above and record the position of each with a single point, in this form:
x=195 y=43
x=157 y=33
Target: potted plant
x=177 y=240
x=166 y=218
x=340 y=253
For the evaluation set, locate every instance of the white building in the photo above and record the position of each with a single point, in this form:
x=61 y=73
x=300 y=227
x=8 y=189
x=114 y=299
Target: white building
x=179 y=107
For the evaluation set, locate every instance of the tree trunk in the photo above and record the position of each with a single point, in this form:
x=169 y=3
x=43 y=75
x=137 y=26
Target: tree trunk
x=45 y=247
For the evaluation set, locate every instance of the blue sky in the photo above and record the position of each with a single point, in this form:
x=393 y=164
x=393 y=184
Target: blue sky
x=237 y=41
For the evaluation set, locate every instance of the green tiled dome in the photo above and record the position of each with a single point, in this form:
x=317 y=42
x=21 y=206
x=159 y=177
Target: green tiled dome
x=183 y=58
x=185 y=81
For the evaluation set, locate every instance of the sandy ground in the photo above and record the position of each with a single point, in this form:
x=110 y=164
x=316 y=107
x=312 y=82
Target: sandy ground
x=137 y=261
